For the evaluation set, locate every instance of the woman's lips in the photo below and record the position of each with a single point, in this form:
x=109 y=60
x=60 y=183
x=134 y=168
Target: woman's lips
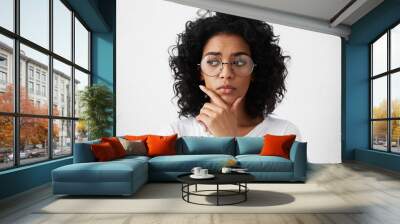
x=226 y=90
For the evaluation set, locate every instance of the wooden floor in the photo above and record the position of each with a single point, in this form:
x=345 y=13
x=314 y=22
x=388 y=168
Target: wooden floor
x=378 y=188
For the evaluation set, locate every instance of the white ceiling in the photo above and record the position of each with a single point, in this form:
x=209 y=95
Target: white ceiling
x=324 y=16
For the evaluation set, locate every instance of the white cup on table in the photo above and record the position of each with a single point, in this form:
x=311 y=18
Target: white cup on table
x=203 y=172
x=196 y=170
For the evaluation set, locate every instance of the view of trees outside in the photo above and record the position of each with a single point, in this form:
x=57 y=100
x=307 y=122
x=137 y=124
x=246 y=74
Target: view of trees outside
x=34 y=79
x=379 y=128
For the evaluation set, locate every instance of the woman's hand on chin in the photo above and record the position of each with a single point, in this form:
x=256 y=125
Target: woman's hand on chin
x=219 y=118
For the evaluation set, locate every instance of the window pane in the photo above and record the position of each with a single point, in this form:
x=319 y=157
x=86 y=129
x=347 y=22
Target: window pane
x=62 y=29
x=35 y=21
x=395 y=47
x=62 y=137
x=62 y=89
x=395 y=136
x=379 y=100
x=6 y=142
x=33 y=139
x=7 y=14
x=81 y=45
x=34 y=97
x=379 y=135
x=395 y=94
x=6 y=74
x=379 y=55
x=81 y=81
x=81 y=131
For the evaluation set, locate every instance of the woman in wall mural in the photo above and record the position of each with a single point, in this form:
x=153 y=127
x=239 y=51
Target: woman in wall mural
x=229 y=75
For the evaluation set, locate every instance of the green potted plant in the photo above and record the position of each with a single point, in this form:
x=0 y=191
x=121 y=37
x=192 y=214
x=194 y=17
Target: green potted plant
x=96 y=102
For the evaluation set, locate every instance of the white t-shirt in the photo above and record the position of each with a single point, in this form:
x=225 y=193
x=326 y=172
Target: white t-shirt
x=270 y=125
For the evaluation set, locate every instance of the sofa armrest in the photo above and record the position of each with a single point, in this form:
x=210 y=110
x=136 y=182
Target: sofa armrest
x=298 y=155
x=83 y=152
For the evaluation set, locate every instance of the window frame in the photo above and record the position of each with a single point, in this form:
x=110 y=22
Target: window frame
x=388 y=74
x=16 y=115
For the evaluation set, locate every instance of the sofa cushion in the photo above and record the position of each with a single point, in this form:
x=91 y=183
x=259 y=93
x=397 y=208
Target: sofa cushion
x=103 y=151
x=159 y=145
x=185 y=163
x=83 y=152
x=249 y=145
x=111 y=171
x=257 y=163
x=277 y=145
x=116 y=145
x=195 y=145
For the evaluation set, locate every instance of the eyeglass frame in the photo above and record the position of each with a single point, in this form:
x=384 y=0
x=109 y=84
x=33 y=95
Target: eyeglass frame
x=222 y=67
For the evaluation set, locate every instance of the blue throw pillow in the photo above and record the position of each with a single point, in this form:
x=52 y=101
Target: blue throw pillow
x=249 y=145
x=192 y=145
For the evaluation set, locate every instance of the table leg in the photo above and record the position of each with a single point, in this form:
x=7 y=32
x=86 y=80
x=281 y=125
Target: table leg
x=196 y=188
x=217 y=194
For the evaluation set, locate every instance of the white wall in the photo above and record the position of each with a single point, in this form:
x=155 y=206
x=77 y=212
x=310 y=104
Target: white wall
x=145 y=30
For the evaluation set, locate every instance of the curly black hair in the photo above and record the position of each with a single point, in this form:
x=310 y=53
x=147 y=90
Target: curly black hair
x=268 y=85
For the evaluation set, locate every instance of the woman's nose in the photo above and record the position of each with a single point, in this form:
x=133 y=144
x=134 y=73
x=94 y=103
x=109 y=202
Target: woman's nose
x=226 y=71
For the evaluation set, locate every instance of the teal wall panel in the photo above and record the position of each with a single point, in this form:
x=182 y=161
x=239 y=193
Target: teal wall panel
x=356 y=125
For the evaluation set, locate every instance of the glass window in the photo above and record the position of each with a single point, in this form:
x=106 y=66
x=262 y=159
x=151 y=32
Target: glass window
x=6 y=72
x=34 y=21
x=62 y=137
x=395 y=136
x=395 y=47
x=379 y=135
x=62 y=29
x=6 y=142
x=31 y=88
x=379 y=100
x=7 y=14
x=81 y=45
x=81 y=81
x=33 y=140
x=30 y=72
x=62 y=72
x=3 y=60
x=81 y=131
x=395 y=95
x=40 y=62
x=379 y=55
x=34 y=80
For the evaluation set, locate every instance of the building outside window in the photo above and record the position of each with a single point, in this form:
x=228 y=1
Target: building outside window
x=34 y=75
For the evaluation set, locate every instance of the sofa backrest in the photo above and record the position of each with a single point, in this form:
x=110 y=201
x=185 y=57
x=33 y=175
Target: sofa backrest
x=83 y=153
x=249 y=145
x=192 y=145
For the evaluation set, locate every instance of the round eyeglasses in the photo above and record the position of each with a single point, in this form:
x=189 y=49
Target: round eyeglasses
x=212 y=65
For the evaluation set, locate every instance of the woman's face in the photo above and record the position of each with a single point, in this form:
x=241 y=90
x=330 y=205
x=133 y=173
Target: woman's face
x=227 y=47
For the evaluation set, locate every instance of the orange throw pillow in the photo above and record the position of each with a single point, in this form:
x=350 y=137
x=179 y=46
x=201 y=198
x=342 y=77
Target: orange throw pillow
x=116 y=145
x=161 y=145
x=277 y=145
x=136 y=137
x=103 y=151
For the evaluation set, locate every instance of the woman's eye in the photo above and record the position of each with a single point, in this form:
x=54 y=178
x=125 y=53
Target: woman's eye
x=240 y=63
x=213 y=62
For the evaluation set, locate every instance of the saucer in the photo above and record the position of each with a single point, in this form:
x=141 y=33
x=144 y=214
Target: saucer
x=208 y=176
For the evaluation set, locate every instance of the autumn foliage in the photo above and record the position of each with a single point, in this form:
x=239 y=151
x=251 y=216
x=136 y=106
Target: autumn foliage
x=33 y=131
x=380 y=127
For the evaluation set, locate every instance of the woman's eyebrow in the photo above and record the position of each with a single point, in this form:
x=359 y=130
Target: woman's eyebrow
x=233 y=54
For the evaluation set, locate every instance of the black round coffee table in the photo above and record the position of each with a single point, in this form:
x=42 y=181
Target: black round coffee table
x=238 y=179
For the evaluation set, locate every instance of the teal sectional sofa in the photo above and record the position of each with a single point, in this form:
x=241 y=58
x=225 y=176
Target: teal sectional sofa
x=125 y=176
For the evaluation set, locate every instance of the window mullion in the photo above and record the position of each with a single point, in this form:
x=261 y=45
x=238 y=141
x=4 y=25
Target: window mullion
x=50 y=87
